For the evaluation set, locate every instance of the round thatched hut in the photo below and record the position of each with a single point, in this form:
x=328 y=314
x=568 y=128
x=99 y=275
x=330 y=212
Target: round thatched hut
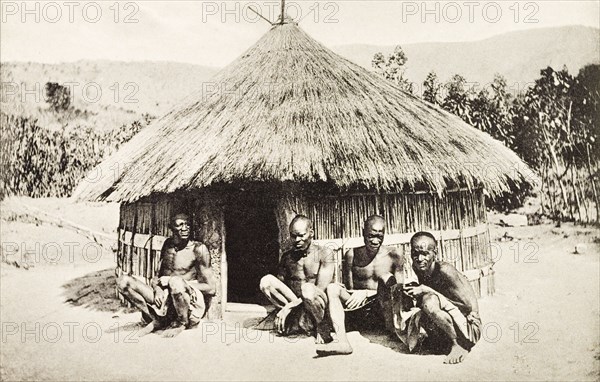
x=291 y=127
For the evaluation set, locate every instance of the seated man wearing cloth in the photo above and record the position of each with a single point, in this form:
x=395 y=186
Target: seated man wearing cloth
x=298 y=288
x=369 y=273
x=176 y=299
x=446 y=306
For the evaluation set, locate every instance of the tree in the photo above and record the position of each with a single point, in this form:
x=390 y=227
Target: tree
x=490 y=111
x=379 y=63
x=393 y=68
x=458 y=98
x=58 y=97
x=543 y=128
x=501 y=119
x=586 y=109
x=431 y=89
x=586 y=127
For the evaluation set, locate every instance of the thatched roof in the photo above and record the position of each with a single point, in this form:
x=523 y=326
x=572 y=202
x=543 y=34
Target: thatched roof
x=289 y=109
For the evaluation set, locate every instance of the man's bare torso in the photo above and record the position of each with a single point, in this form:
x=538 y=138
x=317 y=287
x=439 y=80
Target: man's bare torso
x=448 y=281
x=367 y=269
x=297 y=269
x=181 y=262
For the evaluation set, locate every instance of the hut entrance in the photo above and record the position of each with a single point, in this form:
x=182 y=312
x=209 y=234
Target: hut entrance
x=251 y=244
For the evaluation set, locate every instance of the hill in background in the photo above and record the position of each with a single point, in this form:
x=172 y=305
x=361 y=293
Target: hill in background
x=130 y=89
x=110 y=92
x=518 y=56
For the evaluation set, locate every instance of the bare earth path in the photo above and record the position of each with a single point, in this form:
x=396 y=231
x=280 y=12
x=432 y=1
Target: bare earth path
x=542 y=324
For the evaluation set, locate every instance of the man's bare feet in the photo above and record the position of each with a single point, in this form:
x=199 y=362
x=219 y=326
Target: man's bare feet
x=152 y=326
x=323 y=333
x=457 y=354
x=173 y=330
x=334 y=348
x=323 y=339
x=129 y=327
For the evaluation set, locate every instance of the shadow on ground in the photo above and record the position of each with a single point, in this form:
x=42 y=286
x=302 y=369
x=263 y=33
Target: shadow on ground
x=95 y=291
x=380 y=337
x=385 y=339
x=262 y=322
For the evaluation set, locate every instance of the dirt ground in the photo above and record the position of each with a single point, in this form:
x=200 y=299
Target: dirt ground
x=60 y=321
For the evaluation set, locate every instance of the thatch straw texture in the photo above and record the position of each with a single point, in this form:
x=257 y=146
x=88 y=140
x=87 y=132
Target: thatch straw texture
x=290 y=109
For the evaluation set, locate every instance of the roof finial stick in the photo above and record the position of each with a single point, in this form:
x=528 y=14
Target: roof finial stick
x=261 y=16
x=282 y=12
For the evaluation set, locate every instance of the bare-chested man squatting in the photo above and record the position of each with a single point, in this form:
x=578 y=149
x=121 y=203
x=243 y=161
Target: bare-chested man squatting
x=369 y=274
x=449 y=309
x=303 y=274
x=176 y=298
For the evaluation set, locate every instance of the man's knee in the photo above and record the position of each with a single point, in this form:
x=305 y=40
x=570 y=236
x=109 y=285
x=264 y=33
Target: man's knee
x=266 y=283
x=177 y=285
x=387 y=281
x=309 y=292
x=334 y=290
x=124 y=282
x=430 y=303
x=200 y=300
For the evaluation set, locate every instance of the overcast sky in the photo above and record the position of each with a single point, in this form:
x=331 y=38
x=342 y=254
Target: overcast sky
x=214 y=33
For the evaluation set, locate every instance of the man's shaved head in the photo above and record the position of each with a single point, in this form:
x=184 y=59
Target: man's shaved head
x=301 y=219
x=374 y=221
x=424 y=240
x=179 y=216
x=180 y=225
x=373 y=233
x=423 y=250
x=301 y=233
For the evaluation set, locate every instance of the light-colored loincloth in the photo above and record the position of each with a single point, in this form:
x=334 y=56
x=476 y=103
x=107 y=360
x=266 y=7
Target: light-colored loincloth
x=409 y=329
x=371 y=298
x=197 y=308
x=299 y=320
x=368 y=315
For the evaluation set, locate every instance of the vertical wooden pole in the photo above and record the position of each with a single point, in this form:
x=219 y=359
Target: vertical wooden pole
x=439 y=226
x=133 y=229
x=223 y=264
x=152 y=233
x=119 y=252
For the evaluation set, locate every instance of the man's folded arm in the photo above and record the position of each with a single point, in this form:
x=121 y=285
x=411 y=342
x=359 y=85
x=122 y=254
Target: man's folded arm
x=206 y=280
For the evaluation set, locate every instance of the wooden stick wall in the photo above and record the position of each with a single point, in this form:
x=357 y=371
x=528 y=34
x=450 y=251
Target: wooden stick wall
x=334 y=217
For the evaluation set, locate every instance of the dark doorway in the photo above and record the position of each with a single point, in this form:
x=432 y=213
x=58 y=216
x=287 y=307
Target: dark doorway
x=251 y=244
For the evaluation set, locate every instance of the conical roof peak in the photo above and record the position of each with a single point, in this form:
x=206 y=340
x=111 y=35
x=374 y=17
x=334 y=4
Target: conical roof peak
x=290 y=109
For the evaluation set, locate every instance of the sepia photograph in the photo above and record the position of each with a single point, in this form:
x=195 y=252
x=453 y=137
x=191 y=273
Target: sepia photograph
x=300 y=190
